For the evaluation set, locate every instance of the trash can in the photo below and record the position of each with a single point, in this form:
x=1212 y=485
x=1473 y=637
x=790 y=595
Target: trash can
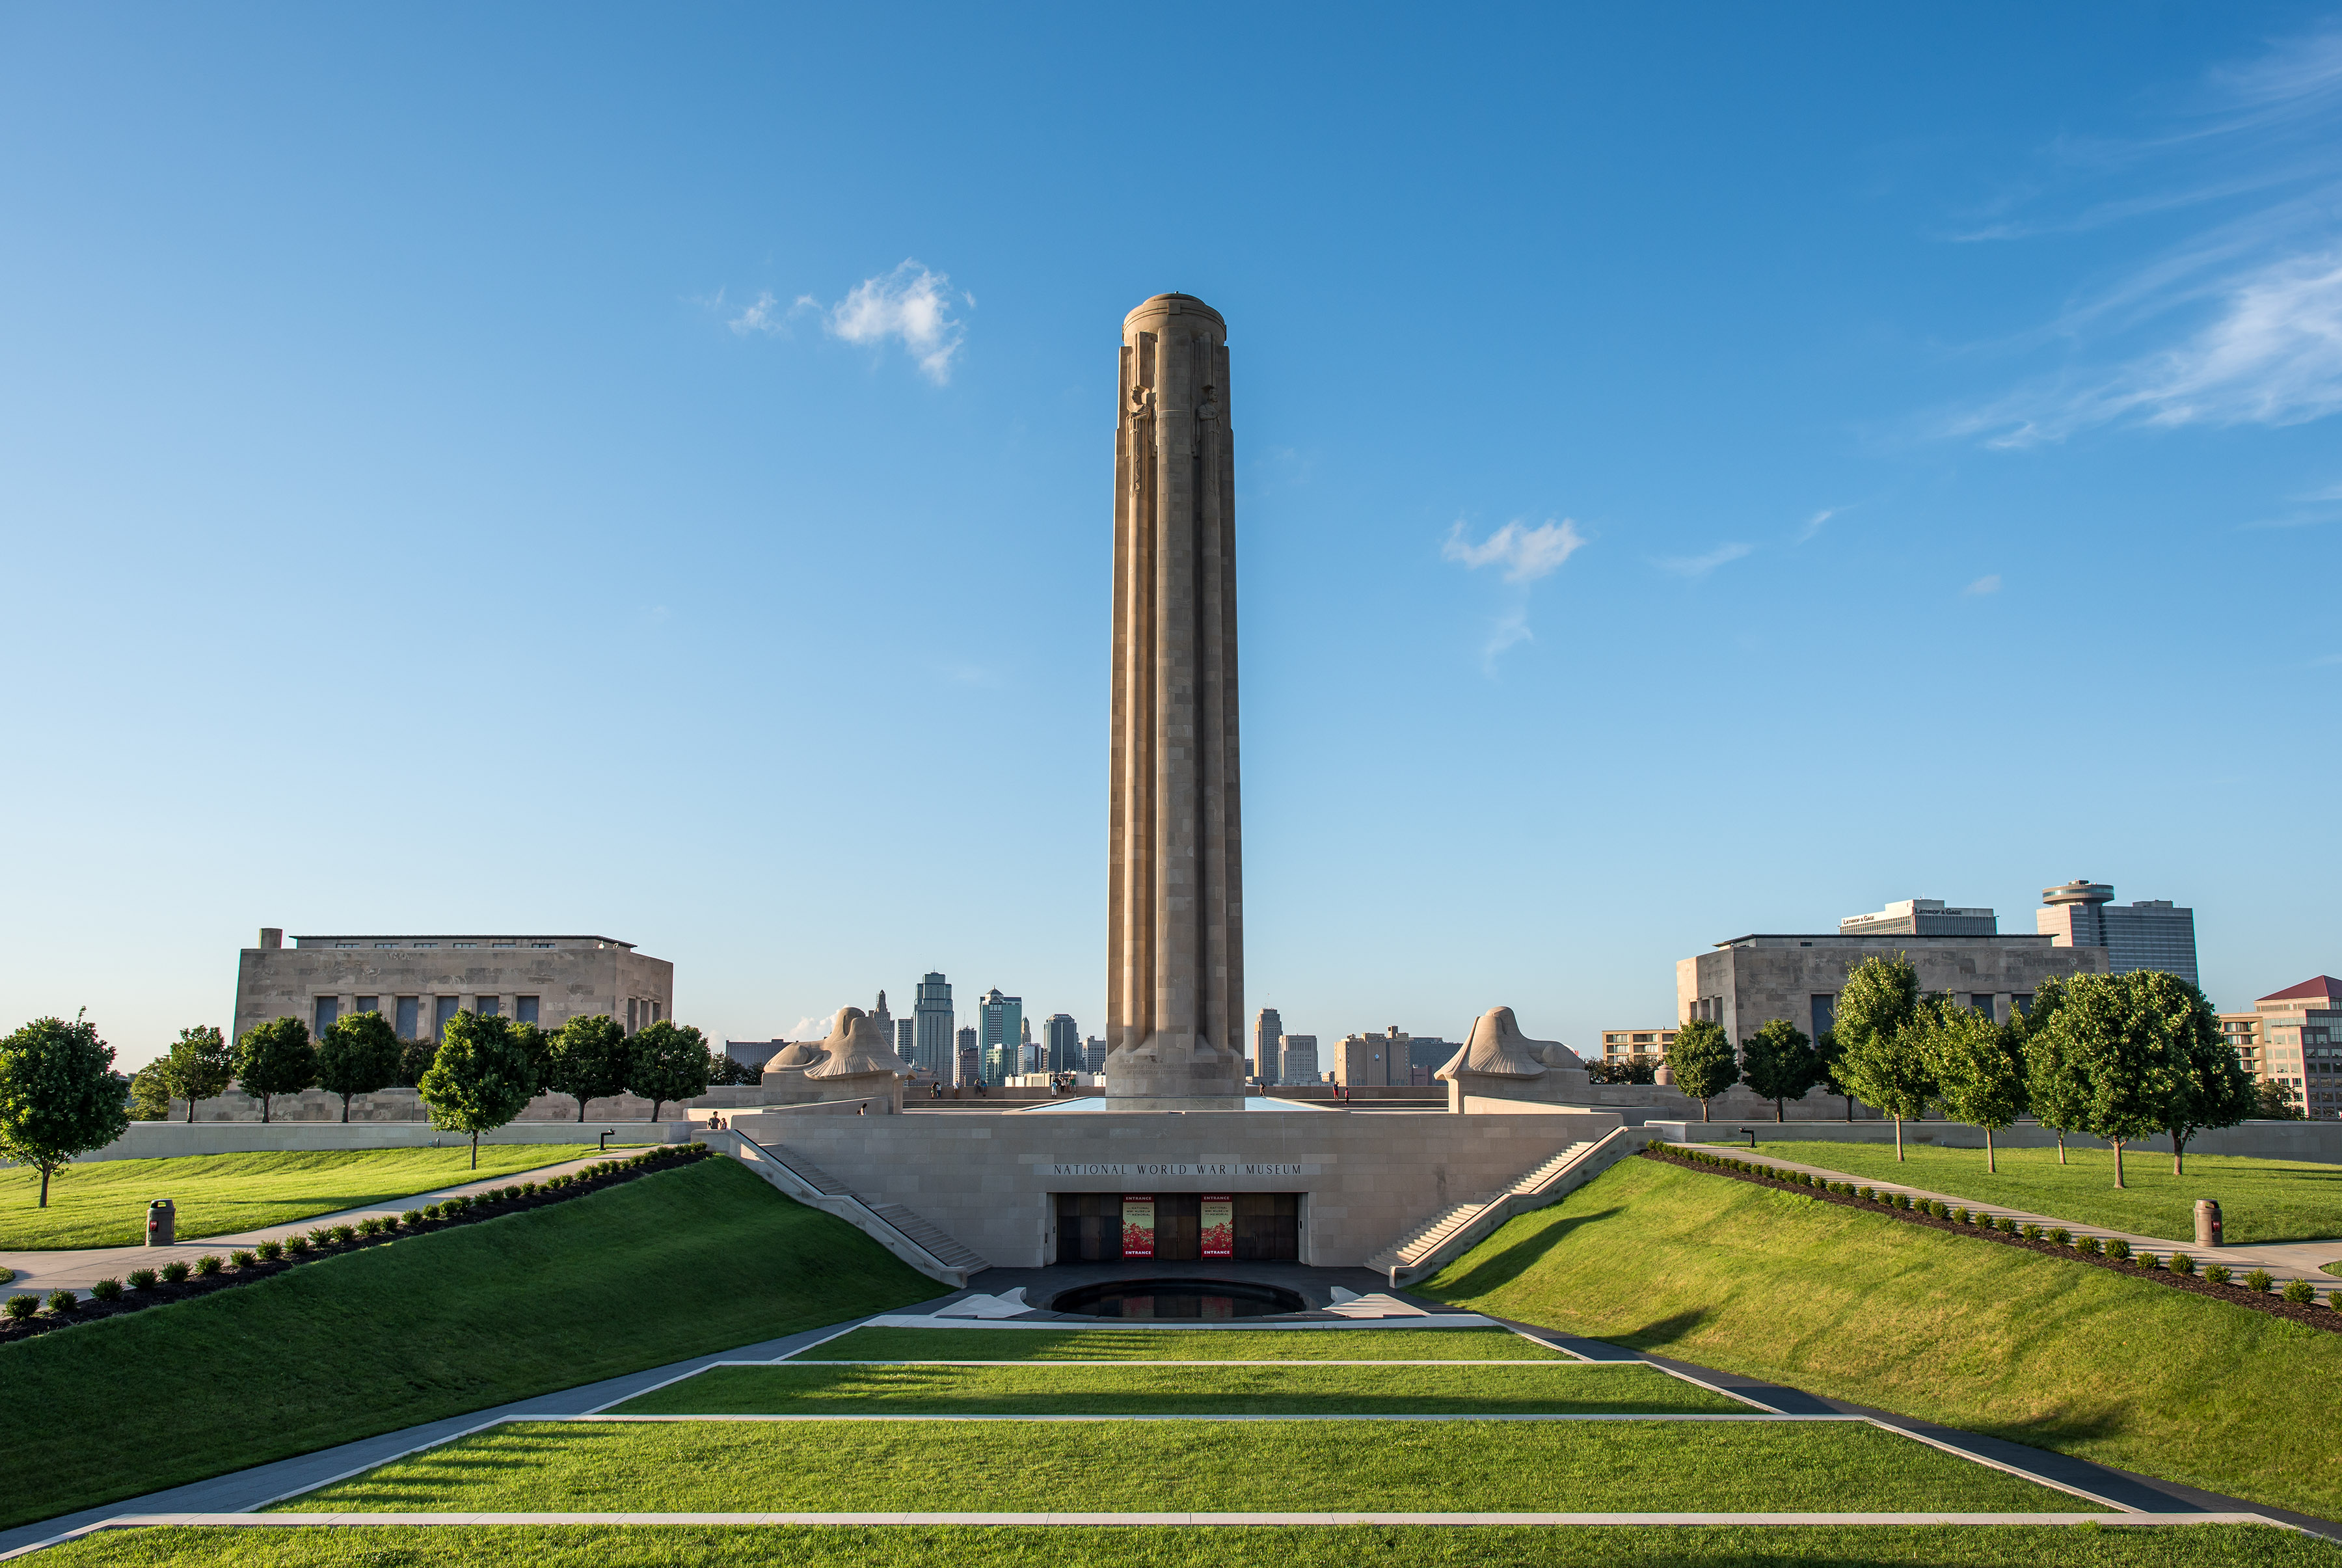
x=162 y=1223
x=2207 y=1222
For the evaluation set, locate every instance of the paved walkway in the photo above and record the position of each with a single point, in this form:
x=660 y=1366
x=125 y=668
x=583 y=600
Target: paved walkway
x=2283 y=1260
x=76 y=1269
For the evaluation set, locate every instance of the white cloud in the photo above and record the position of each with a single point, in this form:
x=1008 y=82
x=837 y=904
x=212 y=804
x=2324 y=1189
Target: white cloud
x=1983 y=585
x=1813 y=524
x=814 y=1028
x=763 y=316
x=1525 y=554
x=910 y=304
x=1700 y=566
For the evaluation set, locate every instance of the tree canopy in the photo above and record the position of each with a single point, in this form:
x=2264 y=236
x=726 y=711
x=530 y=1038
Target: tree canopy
x=199 y=1066
x=667 y=1061
x=589 y=1059
x=1701 y=1061
x=2126 y=1056
x=275 y=1058
x=481 y=1078
x=1978 y=1067
x=358 y=1054
x=59 y=1095
x=1880 y=1057
x=1778 y=1063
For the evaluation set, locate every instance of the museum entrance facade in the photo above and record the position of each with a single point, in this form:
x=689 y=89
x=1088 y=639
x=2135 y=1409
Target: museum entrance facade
x=1179 y=1227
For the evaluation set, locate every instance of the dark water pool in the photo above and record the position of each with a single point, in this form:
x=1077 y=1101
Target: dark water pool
x=1206 y=1298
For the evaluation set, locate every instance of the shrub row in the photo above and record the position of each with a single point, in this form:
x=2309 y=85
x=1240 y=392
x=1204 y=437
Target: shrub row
x=2256 y=1282
x=23 y=1314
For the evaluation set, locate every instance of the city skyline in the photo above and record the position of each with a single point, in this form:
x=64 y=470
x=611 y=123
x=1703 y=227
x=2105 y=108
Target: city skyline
x=553 y=376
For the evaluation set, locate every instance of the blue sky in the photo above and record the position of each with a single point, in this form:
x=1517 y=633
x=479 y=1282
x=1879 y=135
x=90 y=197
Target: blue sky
x=1702 y=469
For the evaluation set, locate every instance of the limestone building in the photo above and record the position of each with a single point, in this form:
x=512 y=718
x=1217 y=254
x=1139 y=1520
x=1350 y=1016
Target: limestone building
x=2151 y=934
x=1175 y=878
x=1297 y=1059
x=1373 y=1060
x=418 y=983
x=1921 y=918
x=2293 y=1039
x=1748 y=981
x=1620 y=1046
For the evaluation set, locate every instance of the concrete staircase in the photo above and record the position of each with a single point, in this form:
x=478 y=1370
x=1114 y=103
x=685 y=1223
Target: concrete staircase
x=1454 y=1230
x=910 y=1236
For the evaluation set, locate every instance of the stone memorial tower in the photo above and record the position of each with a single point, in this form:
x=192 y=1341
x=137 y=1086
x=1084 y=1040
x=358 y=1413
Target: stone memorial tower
x=1175 y=915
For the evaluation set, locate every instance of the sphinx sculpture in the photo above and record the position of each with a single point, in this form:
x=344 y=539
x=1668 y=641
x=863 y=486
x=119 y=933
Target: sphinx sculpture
x=853 y=1063
x=1499 y=1062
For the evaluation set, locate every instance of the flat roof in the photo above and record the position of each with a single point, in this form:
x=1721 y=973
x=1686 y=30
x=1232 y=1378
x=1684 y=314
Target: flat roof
x=463 y=937
x=1885 y=937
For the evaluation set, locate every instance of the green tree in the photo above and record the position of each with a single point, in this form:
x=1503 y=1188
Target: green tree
x=481 y=1078
x=59 y=1095
x=2055 y=1091
x=2271 y=1105
x=1979 y=1067
x=1778 y=1062
x=1830 y=1060
x=1701 y=1061
x=415 y=1059
x=358 y=1054
x=2209 y=1088
x=198 y=1066
x=150 y=1097
x=2117 y=1056
x=590 y=1059
x=1879 y=1055
x=666 y=1062
x=275 y=1058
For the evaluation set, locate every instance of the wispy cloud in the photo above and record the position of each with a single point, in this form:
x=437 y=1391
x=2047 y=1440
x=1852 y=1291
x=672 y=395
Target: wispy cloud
x=1983 y=585
x=2239 y=324
x=910 y=306
x=1525 y=554
x=1813 y=524
x=814 y=1028
x=1700 y=566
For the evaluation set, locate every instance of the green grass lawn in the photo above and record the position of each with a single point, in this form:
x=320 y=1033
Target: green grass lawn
x=1181 y=1345
x=1561 y=1388
x=678 y=1263
x=2260 y=1199
x=102 y=1202
x=1330 y=1465
x=1990 y=1339
x=718 y=1546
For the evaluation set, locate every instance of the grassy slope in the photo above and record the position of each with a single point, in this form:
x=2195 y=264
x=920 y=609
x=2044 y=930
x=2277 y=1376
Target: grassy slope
x=717 y=1546
x=2260 y=1199
x=1177 y=1345
x=679 y=1263
x=103 y=1203
x=1561 y=1388
x=1442 y=1466
x=1991 y=1339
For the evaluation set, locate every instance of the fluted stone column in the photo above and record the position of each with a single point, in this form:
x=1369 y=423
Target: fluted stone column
x=1174 y=920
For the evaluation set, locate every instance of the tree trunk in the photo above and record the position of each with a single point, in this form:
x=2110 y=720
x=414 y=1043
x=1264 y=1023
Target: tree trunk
x=264 y=1108
x=345 y=1110
x=656 y=1103
x=2178 y=1152
x=1703 y=1110
x=1988 y=1164
x=45 y=1186
x=581 y=1110
x=476 y=1152
x=191 y=1109
x=1779 y=1114
x=2118 y=1144
x=1850 y=1107
x=1899 y=1139
x=2061 y=1146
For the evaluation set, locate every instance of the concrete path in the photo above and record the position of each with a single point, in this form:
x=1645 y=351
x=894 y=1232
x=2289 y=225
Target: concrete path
x=2283 y=1260
x=76 y=1269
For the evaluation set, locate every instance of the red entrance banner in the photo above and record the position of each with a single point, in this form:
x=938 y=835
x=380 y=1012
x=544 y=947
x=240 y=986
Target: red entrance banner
x=1219 y=1226
x=1138 y=1225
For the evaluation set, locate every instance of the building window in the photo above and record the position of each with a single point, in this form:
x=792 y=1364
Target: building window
x=1825 y=1013
x=631 y=1024
x=443 y=1009
x=386 y=944
x=426 y=944
x=467 y=944
x=525 y=1008
x=328 y=1009
x=501 y=944
x=547 y=946
x=410 y=1017
x=345 y=944
x=486 y=1006
x=367 y=1004
x=655 y=1012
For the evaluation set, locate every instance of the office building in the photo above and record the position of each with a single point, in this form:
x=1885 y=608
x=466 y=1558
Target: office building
x=1094 y=1054
x=1373 y=1060
x=1426 y=1055
x=1062 y=1042
x=1745 y=982
x=906 y=1039
x=1000 y=1026
x=932 y=1015
x=1267 y=1025
x=2151 y=934
x=883 y=1021
x=1621 y=1044
x=969 y=1059
x=1297 y=1059
x=418 y=983
x=1921 y=918
x=2293 y=1039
